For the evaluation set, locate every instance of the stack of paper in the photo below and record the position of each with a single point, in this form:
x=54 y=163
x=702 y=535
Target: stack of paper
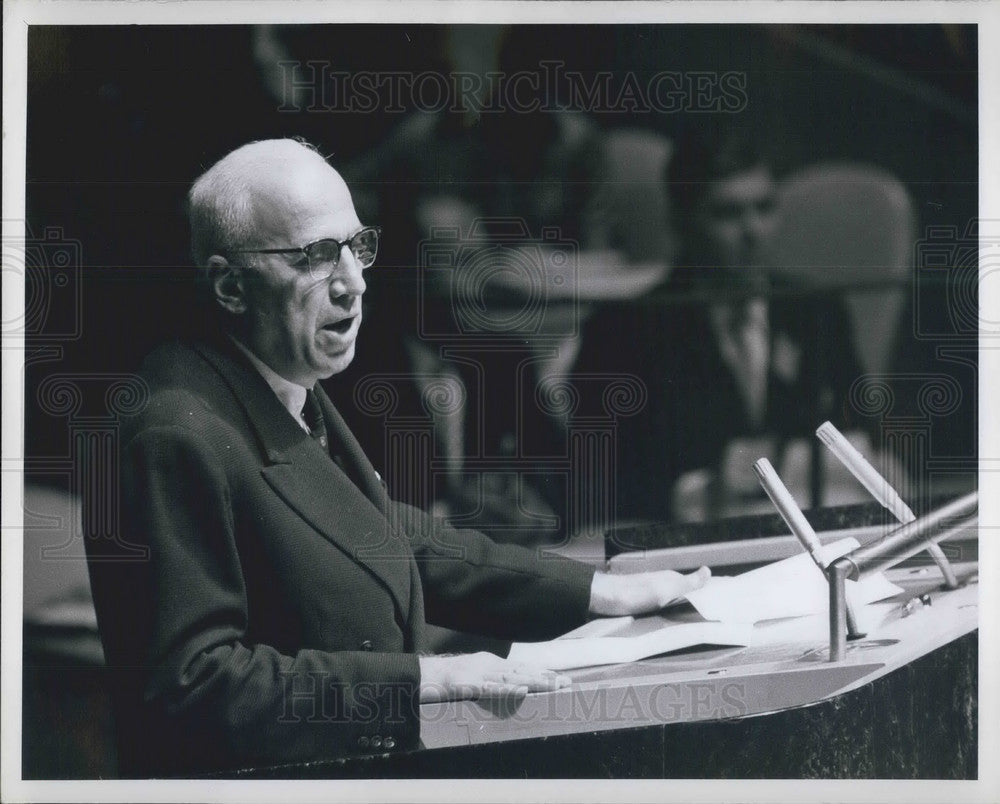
x=792 y=588
x=564 y=654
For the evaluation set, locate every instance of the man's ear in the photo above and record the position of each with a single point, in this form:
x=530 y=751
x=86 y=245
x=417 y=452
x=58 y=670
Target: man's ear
x=227 y=283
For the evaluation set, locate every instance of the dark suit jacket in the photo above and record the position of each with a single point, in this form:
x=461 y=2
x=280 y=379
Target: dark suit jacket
x=279 y=614
x=693 y=407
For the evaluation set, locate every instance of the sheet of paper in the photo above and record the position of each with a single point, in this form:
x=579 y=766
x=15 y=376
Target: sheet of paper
x=787 y=599
x=602 y=626
x=565 y=654
x=815 y=628
x=794 y=587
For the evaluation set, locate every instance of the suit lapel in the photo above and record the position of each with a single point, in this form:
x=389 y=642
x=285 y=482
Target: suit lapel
x=319 y=491
x=346 y=508
x=356 y=463
x=397 y=547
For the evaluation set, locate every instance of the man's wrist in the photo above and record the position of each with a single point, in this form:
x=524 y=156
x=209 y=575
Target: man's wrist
x=642 y=592
x=606 y=595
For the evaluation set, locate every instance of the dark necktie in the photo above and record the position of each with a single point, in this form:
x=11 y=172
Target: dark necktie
x=313 y=417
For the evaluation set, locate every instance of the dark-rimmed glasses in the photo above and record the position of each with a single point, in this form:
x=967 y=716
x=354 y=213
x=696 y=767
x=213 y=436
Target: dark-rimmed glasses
x=323 y=256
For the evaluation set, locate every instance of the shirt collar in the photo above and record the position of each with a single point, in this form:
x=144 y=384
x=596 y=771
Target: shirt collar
x=292 y=396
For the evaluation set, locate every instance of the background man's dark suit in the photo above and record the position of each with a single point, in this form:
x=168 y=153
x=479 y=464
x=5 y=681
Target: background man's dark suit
x=268 y=561
x=694 y=408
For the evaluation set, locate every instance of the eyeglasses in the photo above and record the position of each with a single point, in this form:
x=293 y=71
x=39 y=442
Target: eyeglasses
x=323 y=256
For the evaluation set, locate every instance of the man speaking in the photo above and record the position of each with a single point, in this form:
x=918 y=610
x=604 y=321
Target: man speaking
x=278 y=617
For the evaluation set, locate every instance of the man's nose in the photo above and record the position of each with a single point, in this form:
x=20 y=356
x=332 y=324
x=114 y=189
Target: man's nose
x=349 y=280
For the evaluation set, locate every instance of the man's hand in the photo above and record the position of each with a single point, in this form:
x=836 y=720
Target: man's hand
x=482 y=675
x=642 y=592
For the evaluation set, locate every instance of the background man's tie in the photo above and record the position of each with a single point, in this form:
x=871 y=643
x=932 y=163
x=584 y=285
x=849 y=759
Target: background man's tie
x=743 y=335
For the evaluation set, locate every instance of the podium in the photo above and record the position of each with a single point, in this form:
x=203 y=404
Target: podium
x=900 y=704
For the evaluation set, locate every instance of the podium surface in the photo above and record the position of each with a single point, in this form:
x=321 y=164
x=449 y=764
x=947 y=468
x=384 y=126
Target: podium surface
x=786 y=669
x=901 y=704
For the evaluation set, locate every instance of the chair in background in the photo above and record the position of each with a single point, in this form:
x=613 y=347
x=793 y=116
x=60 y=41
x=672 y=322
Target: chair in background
x=628 y=243
x=67 y=725
x=634 y=204
x=851 y=226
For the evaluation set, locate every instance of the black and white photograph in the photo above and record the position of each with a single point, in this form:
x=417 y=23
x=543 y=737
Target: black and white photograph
x=510 y=401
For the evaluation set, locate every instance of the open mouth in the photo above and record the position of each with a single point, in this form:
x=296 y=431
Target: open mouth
x=340 y=327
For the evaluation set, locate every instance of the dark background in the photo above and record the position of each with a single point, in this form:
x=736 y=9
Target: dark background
x=121 y=119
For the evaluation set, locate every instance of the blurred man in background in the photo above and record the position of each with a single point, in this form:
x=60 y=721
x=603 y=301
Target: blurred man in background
x=736 y=361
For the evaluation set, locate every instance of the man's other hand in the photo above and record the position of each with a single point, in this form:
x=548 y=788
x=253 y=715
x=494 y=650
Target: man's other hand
x=482 y=675
x=642 y=592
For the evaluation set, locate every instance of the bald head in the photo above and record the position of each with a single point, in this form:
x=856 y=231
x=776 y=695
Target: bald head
x=236 y=202
x=252 y=215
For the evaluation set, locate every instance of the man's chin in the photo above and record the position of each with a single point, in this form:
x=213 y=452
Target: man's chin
x=334 y=364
